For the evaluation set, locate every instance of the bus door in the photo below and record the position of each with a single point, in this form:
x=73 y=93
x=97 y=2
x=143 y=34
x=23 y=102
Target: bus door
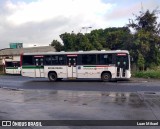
x=16 y=69
x=71 y=68
x=39 y=66
x=121 y=64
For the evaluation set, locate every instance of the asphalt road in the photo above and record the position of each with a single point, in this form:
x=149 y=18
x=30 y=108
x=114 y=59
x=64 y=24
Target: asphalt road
x=133 y=85
x=39 y=99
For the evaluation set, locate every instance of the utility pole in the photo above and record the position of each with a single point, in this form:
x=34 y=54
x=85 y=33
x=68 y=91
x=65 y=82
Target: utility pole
x=86 y=28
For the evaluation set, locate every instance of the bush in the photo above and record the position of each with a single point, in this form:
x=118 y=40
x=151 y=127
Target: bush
x=148 y=74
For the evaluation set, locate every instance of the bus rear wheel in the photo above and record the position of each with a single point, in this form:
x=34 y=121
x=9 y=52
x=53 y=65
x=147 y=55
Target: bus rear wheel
x=106 y=77
x=52 y=76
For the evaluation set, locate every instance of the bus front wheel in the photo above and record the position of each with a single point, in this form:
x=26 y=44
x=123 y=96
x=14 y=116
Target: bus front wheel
x=106 y=77
x=52 y=76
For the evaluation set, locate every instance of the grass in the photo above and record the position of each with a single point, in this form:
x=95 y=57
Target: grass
x=147 y=74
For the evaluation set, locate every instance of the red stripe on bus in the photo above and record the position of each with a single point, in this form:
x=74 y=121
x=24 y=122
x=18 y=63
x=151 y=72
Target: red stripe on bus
x=121 y=54
x=101 y=66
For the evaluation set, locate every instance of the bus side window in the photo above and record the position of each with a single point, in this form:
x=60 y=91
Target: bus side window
x=47 y=60
x=69 y=62
x=104 y=59
x=55 y=60
x=61 y=60
x=37 y=62
x=14 y=65
x=41 y=61
x=28 y=60
x=89 y=59
x=18 y=64
x=79 y=59
x=9 y=64
x=109 y=59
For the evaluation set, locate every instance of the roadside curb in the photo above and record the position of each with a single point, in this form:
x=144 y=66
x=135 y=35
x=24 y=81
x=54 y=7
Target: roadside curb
x=134 y=79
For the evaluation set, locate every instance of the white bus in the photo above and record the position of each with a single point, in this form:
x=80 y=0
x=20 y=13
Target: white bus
x=105 y=65
x=12 y=67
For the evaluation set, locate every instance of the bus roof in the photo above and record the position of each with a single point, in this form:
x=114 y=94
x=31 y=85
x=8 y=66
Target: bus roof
x=78 y=52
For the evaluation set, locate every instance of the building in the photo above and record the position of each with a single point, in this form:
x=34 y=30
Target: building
x=10 y=54
x=16 y=45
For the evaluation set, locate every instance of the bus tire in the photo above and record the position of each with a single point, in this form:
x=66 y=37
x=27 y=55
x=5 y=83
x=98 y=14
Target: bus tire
x=52 y=76
x=106 y=76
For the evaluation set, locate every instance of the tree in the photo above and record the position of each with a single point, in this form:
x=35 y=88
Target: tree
x=58 y=46
x=118 y=38
x=94 y=41
x=146 y=21
x=69 y=41
x=146 y=37
x=109 y=38
x=140 y=61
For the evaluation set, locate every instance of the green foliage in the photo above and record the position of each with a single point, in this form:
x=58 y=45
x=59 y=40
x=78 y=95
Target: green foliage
x=148 y=74
x=69 y=41
x=58 y=46
x=146 y=39
x=143 y=45
x=109 y=38
x=140 y=61
x=146 y=21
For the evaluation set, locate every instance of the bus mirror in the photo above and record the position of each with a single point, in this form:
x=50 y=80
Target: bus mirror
x=74 y=64
x=69 y=64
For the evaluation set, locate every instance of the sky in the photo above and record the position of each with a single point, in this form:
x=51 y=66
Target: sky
x=39 y=22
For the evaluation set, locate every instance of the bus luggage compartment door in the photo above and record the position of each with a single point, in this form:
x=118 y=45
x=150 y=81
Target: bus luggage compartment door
x=72 y=69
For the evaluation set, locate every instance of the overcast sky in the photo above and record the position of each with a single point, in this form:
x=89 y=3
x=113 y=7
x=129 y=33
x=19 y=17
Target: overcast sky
x=38 y=22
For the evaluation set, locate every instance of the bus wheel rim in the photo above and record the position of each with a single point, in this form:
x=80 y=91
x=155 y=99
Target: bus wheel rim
x=52 y=76
x=106 y=77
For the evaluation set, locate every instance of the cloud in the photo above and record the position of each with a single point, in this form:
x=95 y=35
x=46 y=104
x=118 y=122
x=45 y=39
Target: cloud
x=41 y=33
x=122 y=12
x=43 y=20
